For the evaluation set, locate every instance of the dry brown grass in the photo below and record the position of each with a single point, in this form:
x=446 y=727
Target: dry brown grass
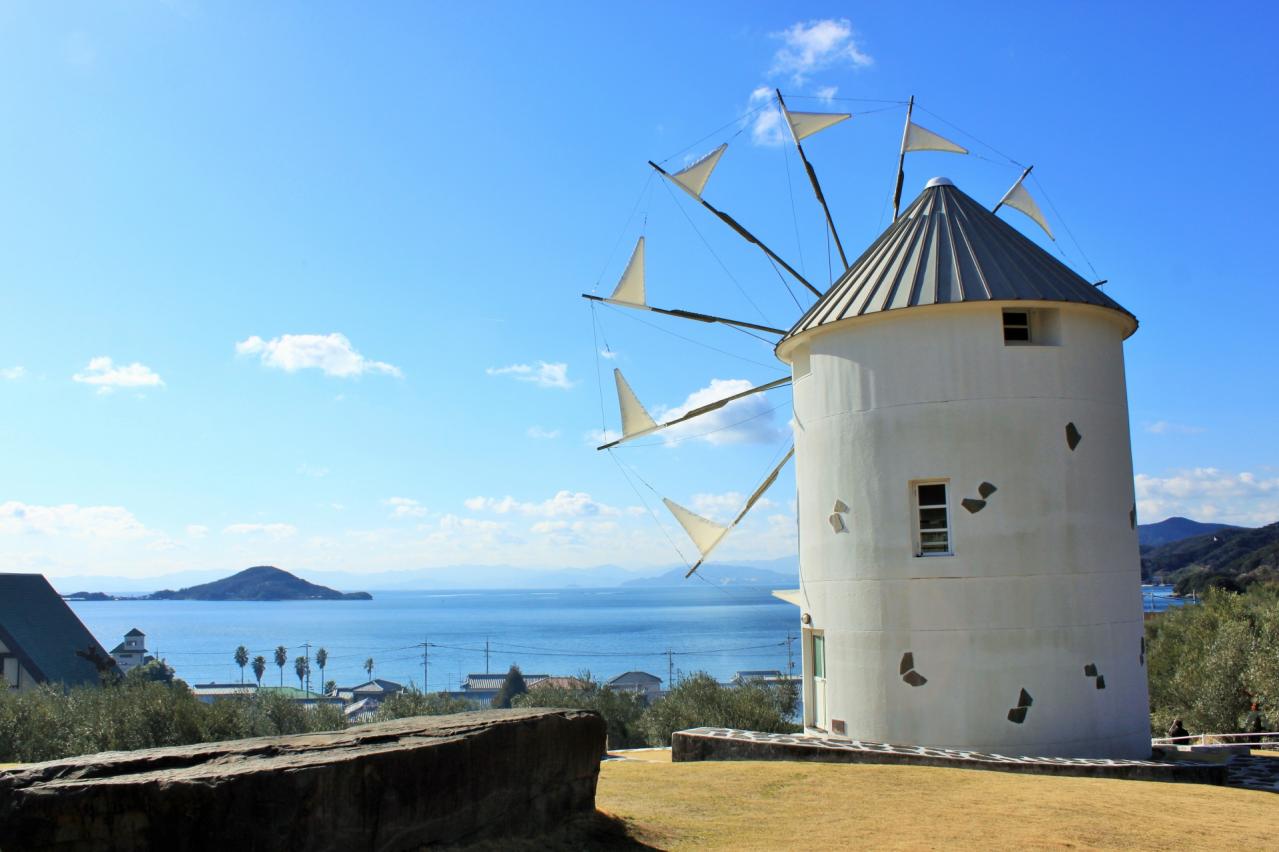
x=758 y=805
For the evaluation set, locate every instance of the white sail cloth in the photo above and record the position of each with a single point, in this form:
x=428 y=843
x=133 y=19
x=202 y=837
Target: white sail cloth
x=805 y=124
x=630 y=288
x=692 y=179
x=1019 y=199
x=635 y=420
x=917 y=138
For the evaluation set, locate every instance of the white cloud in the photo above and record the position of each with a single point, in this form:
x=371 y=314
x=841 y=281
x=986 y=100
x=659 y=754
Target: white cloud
x=608 y=354
x=1165 y=427
x=332 y=354
x=827 y=94
x=543 y=374
x=405 y=507
x=563 y=504
x=767 y=127
x=197 y=531
x=275 y=531
x=313 y=471
x=724 y=507
x=538 y=433
x=12 y=374
x=815 y=46
x=69 y=519
x=1209 y=494
x=748 y=420
x=104 y=373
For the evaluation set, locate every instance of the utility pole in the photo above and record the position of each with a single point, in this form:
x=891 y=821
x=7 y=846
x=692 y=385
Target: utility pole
x=790 y=657
x=486 y=655
x=426 y=659
x=307 y=646
x=670 y=669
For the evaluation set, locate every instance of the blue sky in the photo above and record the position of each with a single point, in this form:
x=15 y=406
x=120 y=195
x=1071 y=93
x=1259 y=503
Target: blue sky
x=298 y=284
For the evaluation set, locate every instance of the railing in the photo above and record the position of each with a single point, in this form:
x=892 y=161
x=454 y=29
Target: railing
x=1267 y=737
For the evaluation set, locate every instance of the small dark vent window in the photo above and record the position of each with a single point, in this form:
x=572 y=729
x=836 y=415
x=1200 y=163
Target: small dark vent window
x=1016 y=327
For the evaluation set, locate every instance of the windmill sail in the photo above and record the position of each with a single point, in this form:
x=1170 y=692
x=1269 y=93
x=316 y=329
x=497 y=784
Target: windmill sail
x=920 y=138
x=707 y=534
x=627 y=434
x=805 y=124
x=1019 y=199
x=693 y=178
x=630 y=289
x=635 y=420
x=704 y=533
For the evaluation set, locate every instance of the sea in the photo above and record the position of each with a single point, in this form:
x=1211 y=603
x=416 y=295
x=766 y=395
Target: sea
x=437 y=638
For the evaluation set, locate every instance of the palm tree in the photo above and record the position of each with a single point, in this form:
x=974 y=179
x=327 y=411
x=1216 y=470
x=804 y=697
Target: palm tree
x=259 y=668
x=368 y=667
x=281 y=657
x=321 y=659
x=241 y=660
x=301 y=667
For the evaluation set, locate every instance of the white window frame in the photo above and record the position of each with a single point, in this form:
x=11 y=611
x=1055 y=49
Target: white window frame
x=916 y=525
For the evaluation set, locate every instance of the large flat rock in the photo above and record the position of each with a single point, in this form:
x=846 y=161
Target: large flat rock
x=389 y=786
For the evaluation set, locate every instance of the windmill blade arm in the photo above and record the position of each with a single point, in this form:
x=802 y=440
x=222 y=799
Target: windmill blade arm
x=699 y=411
x=754 y=498
x=682 y=314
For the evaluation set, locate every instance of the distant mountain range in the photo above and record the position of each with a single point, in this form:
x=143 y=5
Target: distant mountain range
x=261 y=583
x=453 y=577
x=723 y=575
x=1175 y=529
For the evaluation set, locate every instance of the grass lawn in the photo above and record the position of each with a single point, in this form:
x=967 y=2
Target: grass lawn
x=767 y=805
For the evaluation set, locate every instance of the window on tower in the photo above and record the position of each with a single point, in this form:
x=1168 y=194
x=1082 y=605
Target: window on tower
x=932 y=519
x=1016 y=326
x=1031 y=327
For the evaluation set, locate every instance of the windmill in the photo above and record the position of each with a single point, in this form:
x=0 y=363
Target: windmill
x=969 y=570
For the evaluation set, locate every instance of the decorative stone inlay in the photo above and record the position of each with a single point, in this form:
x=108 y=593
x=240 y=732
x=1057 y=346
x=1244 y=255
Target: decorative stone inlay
x=908 y=673
x=972 y=505
x=986 y=489
x=1017 y=715
x=1072 y=436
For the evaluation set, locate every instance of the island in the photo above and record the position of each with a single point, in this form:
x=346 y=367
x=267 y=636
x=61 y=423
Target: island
x=260 y=583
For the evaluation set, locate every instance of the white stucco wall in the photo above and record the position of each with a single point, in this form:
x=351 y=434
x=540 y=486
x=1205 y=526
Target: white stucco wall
x=1044 y=580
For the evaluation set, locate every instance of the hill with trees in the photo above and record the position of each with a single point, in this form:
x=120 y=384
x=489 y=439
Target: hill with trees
x=261 y=583
x=1232 y=558
x=1175 y=529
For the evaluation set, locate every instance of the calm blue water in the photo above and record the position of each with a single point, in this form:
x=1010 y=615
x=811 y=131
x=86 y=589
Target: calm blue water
x=608 y=631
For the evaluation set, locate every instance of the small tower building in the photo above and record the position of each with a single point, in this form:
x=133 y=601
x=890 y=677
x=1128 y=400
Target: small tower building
x=969 y=569
x=132 y=652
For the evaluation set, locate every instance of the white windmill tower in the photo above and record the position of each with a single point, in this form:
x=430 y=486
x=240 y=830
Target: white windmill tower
x=969 y=571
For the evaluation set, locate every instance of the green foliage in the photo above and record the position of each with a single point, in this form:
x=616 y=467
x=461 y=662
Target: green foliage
x=700 y=701
x=281 y=657
x=301 y=667
x=1206 y=663
x=241 y=660
x=156 y=671
x=259 y=668
x=621 y=710
x=1232 y=558
x=413 y=702
x=512 y=686
x=368 y=667
x=50 y=722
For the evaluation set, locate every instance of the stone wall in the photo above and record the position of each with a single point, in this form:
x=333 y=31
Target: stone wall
x=388 y=786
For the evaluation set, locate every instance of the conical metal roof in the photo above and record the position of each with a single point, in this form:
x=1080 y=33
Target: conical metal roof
x=947 y=248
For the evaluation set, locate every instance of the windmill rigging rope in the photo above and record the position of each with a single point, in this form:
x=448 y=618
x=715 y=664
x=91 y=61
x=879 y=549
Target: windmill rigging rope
x=648 y=183
x=794 y=215
x=649 y=509
x=706 y=243
x=672 y=441
x=741 y=119
x=630 y=316
x=1078 y=247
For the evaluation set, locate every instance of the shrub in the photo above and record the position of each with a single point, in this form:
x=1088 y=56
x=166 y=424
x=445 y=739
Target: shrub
x=413 y=702
x=701 y=701
x=621 y=710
